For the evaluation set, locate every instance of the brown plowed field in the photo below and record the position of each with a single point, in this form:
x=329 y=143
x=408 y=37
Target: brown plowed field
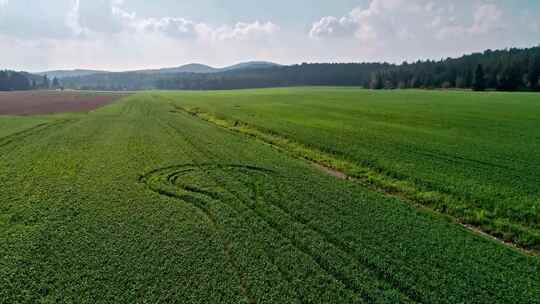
x=49 y=102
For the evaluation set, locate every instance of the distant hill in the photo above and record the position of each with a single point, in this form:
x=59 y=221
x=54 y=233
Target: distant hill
x=188 y=68
x=249 y=65
x=60 y=74
x=206 y=69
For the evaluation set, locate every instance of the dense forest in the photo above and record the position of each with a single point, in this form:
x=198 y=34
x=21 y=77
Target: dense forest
x=11 y=81
x=22 y=81
x=121 y=81
x=351 y=74
x=503 y=70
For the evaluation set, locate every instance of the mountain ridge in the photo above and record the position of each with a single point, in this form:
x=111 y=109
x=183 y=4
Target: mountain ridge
x=196 y=68
x=69 y=73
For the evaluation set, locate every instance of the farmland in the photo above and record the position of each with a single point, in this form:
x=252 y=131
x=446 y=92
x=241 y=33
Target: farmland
x=471 y=156
x=156 y=198
x=49 y=102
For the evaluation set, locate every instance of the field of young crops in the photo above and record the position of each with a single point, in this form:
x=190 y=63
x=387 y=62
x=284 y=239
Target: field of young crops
x=142 y=202
x=474 y=156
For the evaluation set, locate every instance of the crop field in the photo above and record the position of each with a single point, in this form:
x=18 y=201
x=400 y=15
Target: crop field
x=475 y=157
x=184 y=198
x=49 y=102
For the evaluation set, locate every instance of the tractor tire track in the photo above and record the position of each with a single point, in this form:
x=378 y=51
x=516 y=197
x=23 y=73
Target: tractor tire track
x=218 y=228
x=317 y=260
x=202 y=206
x=383 y=276
x=10 y=142
x=11 y=138
x=199 y=152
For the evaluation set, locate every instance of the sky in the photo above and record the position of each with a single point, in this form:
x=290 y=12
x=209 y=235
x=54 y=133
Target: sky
x=39 y=35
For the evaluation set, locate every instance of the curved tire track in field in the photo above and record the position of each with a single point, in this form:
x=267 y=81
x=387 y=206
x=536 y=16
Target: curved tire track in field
x=170 y=182
x=408 y=293
x=163 y=179
x=348 y=282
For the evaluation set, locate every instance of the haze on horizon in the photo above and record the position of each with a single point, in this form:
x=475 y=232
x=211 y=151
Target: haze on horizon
x=136 y=34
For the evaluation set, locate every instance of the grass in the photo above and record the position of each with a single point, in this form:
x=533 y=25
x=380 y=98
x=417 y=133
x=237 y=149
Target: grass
x=469 y=155
x=137 y=202
x=11 y=124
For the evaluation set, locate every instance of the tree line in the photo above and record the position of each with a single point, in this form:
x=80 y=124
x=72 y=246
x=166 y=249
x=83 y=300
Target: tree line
x=504 y=70
x=337 y=74
x=117 y=81
x=11 y=81
x=22 y=81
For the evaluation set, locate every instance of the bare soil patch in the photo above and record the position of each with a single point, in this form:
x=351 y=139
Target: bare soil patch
x=331 y=171
x=50 y=102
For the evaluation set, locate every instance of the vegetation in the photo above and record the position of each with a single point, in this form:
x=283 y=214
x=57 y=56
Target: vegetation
x=140 y=202
x=468 y=155
x=22 y=81
x=11 y=81
x=503 y=70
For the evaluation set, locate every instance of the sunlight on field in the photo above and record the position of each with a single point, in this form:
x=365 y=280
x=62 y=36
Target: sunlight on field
x=466 y=154
x=138 y=201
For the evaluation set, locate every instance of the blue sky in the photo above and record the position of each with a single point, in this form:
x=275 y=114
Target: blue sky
x=39 y=35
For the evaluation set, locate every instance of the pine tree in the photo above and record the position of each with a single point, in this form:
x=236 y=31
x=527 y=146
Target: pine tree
x=377 y=82
x=3 y=81
x=468 y=79
x=55 y=83
x=46 y=82
x=533 y=75
x=479 y=82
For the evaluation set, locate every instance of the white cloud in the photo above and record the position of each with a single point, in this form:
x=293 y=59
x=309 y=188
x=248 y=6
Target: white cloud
x=97 y=16
x=245 y=31
x=181 y=28
x=413 y=29
x=385 y=20
x=170 y=26
x=382 y=19
x=109 y=34
x=329 y=27
x=110 y=17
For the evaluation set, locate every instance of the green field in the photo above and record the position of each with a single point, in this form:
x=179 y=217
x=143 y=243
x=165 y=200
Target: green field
x=473 y=156
x=143 y=202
